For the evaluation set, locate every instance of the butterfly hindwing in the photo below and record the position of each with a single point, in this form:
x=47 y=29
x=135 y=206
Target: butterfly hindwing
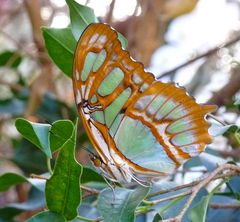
x=151 y=125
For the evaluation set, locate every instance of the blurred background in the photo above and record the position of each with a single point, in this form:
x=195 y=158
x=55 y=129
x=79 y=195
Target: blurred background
x=192 y=42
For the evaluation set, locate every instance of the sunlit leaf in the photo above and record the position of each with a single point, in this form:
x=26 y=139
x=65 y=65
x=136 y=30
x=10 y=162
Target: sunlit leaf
x=36 y=133
x=122 y=207
x=60 y=132
x=60 y=45
x=63 y=188
x=81 y=16
x=217 y=129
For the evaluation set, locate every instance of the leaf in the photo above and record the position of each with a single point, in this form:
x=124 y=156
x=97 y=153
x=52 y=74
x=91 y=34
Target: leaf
x=28 y=158
x=122 y=207
x=60 y=45
x=81 y=16
x=47 y=216
x=223 y=215
x=217 y=130
x=211 y=162
x=10 y=58
x=60 y=132
x=157 y=218
x=63 y=188
x=237 y=102
x=35 y=201
x=51 y=109
x=90 y=175
x=87 y=210
x=36 y=133
x=9 y=179
x=172 y=208
x=198 y=213
x=13 y=106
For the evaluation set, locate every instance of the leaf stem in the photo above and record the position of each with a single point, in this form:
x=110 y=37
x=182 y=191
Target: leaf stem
x=49 y=166
x=87 y=219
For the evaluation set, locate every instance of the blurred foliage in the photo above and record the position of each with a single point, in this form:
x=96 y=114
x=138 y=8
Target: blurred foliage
x=37 y=98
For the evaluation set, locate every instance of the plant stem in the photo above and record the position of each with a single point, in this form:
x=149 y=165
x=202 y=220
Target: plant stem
x=86 y=219
x=49 y=166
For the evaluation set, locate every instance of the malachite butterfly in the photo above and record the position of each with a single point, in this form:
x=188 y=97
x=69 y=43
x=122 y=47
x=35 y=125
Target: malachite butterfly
x=141 y=128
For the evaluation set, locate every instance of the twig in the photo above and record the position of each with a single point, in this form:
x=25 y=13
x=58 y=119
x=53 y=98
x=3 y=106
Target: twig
x=225 y=94
x=110 y=12
x=224 y=206
x=35 y=176
x=208 y=53
x=90 y=190
x=228 y=174
x=88 y=220
x=202 y=184
x=155 y=202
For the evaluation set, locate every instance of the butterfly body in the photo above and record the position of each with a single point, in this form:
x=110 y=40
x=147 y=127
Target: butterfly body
x=140 y=127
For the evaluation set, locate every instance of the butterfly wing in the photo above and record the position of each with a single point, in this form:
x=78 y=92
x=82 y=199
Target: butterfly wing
x=129 y=115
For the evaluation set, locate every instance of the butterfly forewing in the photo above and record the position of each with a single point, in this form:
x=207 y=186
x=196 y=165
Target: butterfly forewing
x=128 y=115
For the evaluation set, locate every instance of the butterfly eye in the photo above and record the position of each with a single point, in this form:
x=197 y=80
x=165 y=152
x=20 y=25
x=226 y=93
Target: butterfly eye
x=96 y=160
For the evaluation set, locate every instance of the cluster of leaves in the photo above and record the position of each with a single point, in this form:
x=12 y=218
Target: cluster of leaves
x=60 y=190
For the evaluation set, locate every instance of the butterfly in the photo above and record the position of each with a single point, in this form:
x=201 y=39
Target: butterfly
x=141 y=128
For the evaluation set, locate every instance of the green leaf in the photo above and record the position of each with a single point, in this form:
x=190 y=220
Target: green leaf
x=199 y=212
x=63 y=189
x=60 y=45
x=36 y=133
x=12 y=106
x=90 y=175
x=47 y=216
x=122 y=207
x=60 y=132
x=237 y=102
x=28 y=158
x=10 y=58
x=216 y=129
x=157 y=218
x=9 y=179
x=81 y=16
x=35 y=201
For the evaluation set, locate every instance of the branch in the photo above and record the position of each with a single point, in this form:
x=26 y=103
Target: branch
x=225 y=206
x=110 y=12
x=44 y=81
x=200 y=185
x=206 y=54
x=224 y=95
x=228 y=174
